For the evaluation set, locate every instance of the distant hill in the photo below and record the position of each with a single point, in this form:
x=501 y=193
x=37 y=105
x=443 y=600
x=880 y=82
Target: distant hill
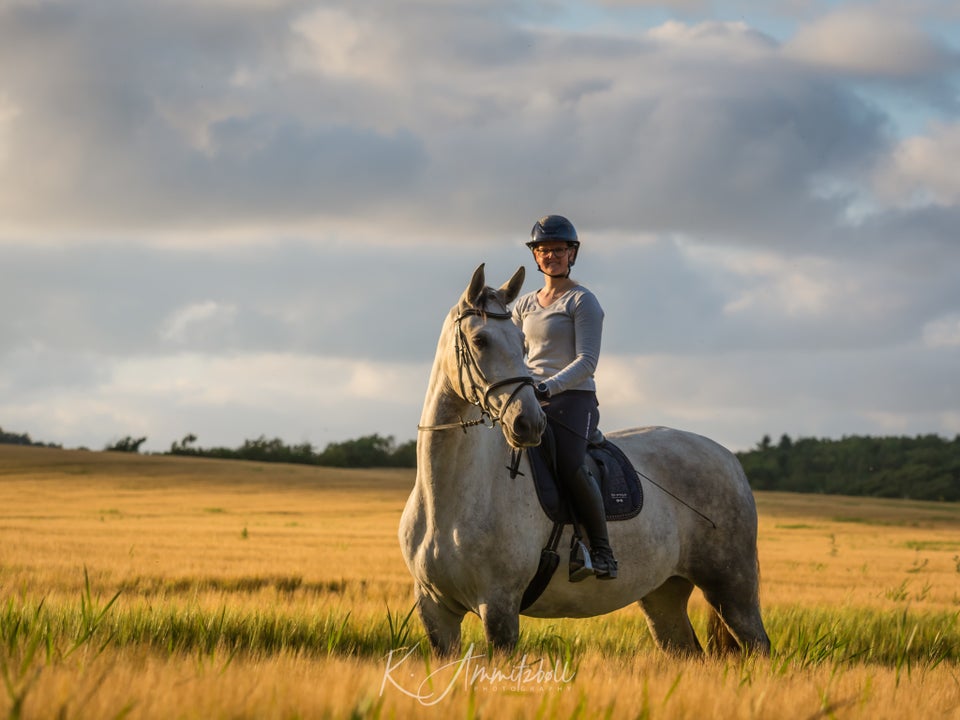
x=925 y=467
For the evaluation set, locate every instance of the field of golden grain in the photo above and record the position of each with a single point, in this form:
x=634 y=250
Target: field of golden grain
x=159 y=587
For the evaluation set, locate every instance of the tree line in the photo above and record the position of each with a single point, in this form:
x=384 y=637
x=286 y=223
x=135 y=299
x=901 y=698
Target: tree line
x=925 y=467
x=9 y=438
x=364 y=452
x=368 y=451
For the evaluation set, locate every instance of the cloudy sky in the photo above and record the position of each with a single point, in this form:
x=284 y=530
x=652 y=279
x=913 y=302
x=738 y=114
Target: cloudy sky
x=244 y=217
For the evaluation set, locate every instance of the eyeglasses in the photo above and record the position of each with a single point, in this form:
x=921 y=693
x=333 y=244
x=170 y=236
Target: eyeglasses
x=544 y=252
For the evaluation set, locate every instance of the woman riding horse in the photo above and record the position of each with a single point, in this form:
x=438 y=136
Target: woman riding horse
x=562 y=323
x=472 y=532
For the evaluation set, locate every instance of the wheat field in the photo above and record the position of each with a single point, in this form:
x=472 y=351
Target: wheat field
x=161 y=587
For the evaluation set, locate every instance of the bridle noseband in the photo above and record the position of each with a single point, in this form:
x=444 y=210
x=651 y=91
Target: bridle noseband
x=469 y=375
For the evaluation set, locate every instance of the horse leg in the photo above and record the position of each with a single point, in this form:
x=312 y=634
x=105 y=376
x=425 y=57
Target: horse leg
x=666 y=611
x=441 y=623
x=737 y=623
x=501 y=625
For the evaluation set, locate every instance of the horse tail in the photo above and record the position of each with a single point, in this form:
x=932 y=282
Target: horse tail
x=720 y=640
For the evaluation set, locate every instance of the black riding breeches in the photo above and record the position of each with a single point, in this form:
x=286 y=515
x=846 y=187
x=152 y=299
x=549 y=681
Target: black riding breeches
x=574 y=417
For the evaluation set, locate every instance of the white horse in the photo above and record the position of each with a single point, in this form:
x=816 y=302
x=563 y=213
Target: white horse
x=471 y=535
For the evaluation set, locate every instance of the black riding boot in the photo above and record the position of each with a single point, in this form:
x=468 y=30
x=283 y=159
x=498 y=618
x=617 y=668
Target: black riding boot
x=588 y=507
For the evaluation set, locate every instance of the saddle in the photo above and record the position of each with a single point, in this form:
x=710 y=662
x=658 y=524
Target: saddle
x=619 y=483
x=619 y=487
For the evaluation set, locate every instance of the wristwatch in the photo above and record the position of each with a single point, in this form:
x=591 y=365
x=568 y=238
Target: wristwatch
x=541 y=390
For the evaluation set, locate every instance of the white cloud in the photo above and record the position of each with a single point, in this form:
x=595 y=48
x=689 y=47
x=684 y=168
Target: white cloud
x=922 y=169
x=223 y=400
x=338 y=43
x=197 y=321
x=385 y=381
x=737 y=397
x=872 y=40
x=725 y=40
x=774 y=284
x=259 y=379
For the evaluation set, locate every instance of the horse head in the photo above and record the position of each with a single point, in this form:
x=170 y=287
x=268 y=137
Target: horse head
x=486 y=367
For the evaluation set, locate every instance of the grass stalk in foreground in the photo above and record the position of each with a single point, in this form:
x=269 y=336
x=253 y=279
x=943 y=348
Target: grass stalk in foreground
x=40 y=632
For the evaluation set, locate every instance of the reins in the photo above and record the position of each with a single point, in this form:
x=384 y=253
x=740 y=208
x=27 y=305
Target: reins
x=479 y=388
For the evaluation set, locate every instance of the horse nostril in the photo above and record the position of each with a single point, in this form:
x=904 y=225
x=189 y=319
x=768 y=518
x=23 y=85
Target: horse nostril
x=529 y=425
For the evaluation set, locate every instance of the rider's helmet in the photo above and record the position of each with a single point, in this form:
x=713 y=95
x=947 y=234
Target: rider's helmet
x=553 y=227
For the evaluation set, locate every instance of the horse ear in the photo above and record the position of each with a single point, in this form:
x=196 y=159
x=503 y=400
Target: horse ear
x=474 y=294
x=511 y=288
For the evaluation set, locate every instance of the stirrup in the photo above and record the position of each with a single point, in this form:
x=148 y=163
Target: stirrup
x=581 y=566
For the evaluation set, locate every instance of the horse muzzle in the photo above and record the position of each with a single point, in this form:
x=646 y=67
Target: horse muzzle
x=524 y=427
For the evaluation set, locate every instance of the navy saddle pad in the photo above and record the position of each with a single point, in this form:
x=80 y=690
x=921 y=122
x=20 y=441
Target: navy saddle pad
x=619 y=483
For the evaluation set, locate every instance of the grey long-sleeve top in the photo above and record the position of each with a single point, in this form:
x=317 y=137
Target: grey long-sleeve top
x=563 y=339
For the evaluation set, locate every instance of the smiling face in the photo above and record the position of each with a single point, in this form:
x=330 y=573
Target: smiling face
x=554 y=258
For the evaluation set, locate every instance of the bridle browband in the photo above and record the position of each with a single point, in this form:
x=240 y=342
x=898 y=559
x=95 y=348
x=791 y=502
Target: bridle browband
x=479 y=388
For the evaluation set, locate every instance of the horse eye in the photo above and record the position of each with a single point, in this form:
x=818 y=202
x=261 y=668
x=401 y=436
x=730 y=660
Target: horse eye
x=481 y=341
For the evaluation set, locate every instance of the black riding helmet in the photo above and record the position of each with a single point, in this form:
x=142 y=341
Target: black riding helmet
x=553 y=227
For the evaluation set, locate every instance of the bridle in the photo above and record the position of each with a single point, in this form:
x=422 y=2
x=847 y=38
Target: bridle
x=474 y=387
